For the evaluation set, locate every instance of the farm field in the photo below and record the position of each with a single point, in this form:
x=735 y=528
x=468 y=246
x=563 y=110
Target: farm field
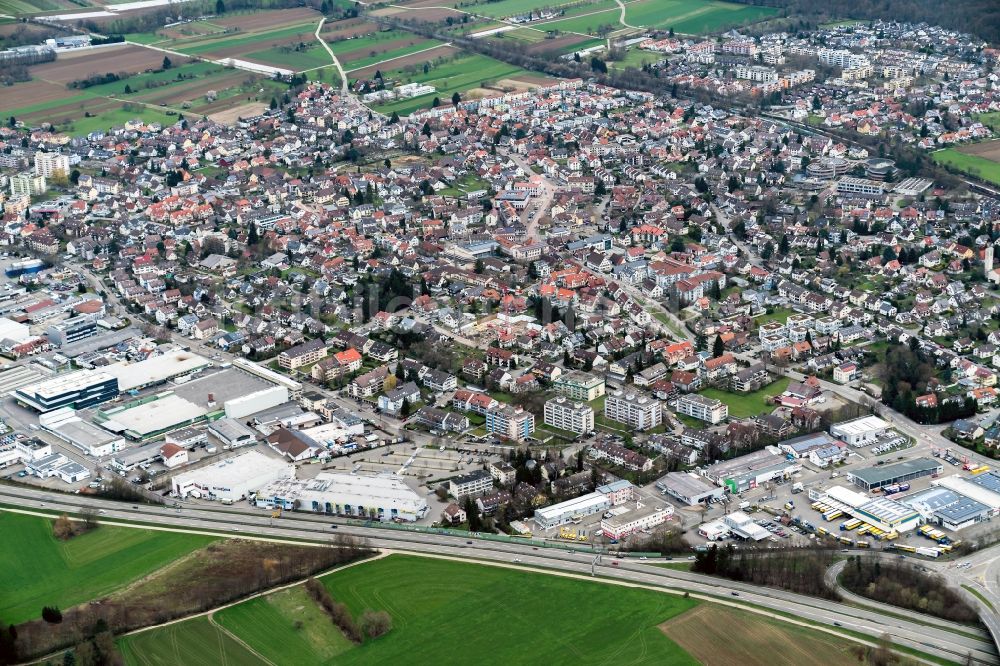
x=587 y=24
x=715 y=634
x=459 y=75
x=423 y=595
x=41 y=570
x=73 y=66
x=268 y=624
x=375 y=48
x=506 y=8
x=981 y=160
x=38 y=6
x=692 y=16
x=742 y=405
x=195 y=642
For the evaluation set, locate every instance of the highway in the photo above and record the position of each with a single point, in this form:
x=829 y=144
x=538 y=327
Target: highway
x=926 y=638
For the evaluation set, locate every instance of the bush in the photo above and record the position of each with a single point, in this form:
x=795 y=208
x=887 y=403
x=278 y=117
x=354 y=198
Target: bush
x=338 y=612
x=376 y=623
x=51 y=614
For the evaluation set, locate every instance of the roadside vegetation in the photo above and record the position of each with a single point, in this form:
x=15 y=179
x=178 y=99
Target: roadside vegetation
x=800 y=570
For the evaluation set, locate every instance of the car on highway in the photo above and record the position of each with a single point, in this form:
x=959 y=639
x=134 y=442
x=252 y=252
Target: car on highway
x=468 y=543
x=735 y=593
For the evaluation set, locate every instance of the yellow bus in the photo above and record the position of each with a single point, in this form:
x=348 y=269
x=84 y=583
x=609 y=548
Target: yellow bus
x=851 y=524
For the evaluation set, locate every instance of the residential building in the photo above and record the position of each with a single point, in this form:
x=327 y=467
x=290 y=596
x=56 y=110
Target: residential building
x=637 y=410
x=702 y=408
x=510 y=422
x=472 y=484
x=579 y=386
x=565 y=414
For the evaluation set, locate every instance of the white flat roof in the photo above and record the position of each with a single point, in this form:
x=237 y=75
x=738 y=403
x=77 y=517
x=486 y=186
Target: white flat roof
x=236 y=471
x=157 y=415
x=582 y=503
x=861 y=425
x=156 y=369
x=847 y=496
x=970 y=490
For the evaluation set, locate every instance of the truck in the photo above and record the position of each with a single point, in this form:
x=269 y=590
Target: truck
x=789 y=505
x=744 y=505
x=797 y=487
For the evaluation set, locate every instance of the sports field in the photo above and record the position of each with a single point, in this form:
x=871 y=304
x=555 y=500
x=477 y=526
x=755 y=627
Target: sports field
x=743 y=405
x=287 y=628
x=981 y=160
x=715 y=634
x=195 y=642
x=40 y=570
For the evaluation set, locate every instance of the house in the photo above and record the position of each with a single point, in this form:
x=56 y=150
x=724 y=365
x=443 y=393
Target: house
x=453 y=514
x=173 y=455
x=293 y=444
x=846 y=373
x=393 y=401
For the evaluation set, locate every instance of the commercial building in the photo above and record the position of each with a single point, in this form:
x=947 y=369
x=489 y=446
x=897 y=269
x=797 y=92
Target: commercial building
x=752 y=469
x=232 y=479
x=57 y=465
x=15 y=449
x=174 y=364
x=624 y=525
x=384 y=497
x=742 y=526
x=579 y=386
x=145 y=419
x=880 y=476
x=702 y=408
x=984 y=488
x=245 y=405
x=510 y=422
x=14 y=331
x=947 y=508
x=79 y=389
x=886 y=514
x=72 y=330
x=619 y=492
x=565 y=414
x=689 y=488
x=861 y=431
x=572 y=510
x=232 y=433
x=637 y=410
x=471 y=484
x=91 y=440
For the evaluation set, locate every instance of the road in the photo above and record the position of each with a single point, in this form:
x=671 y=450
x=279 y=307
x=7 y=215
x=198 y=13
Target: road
x=333 y=56
x=540 y=204
x=930 y=639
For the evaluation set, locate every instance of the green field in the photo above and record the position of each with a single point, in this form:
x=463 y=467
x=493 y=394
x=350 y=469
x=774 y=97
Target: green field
x=270 y=625
x=40 y=570
x=586 y=25
x=459 y=75
x=311 y=57
x=693 y=16
x=514 y=614
x=506 y=8
x=973 y=165
x=195 y=642
x=991 y=120
x=635 y=58
x=742 y=405
x=359 y=63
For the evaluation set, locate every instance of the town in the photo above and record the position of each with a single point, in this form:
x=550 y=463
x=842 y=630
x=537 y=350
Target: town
x=755 y=310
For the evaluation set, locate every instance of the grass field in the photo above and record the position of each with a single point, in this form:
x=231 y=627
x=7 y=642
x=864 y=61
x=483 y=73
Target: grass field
x=973 y=165
x=358 y=63
x=742 y=405
x=991 y=120
x=715 y=634
x=555 y=620
x=635 y=58
x=313 y=55
x=39 y=570
x=195 y=642
x=461 y=74
x=270 y=625
x=506 y=8
x=778 y=314
x=693 y=16
x=587 y=24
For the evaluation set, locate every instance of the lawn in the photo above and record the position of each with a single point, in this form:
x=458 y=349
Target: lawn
x=635 y=58
x=693 y=16
x=555 y=620
x=778 y=314
x=991 y=120
x=973 y=165
x=286 y=627
x=40 y=570
x=458 y=75
x=195 y=642
x=742 y=405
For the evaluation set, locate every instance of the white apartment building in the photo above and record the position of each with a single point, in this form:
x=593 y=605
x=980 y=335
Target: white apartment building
x=639 y=411
x=756 y=73
x=49 y=164
x=579 y=386
x=702 y=408
x=568 y=415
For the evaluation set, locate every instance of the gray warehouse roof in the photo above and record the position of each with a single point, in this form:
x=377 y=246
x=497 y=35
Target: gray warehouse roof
x=887 y=473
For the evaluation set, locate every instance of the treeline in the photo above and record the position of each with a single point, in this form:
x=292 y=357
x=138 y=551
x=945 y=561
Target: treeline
x=148 y=22
x=97 y=80
x=664 y=542
x=800 y=570
x=976 y=17
x=217 y=574
x=905 y=375
x=901 y=584
x=373 y=623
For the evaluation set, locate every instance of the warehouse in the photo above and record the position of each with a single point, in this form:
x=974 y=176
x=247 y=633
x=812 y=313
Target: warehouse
x=881 y=512
x=79 y=389
x=983 y=490
x=859 y=432
x=151 y=418
x=626 y=524
x=156 y=369
x=232 y=433
x=232 y=479
x=752 y=470
x=880 y=476
x=258 y=401
x=572 y=510
x=93 y=441
x=689 y=488
x=383 y=496
x=947 y=508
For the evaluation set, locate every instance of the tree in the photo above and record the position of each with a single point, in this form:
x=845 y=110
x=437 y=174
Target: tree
x=128 y=89
x=480 y=266
x=783 y=247
x=456 y=98
x=394 y=118
x=375 y=623
x=52 y=614
x=274 y=104
x=718 y=347
x=220 y=7
x=166 y=63
x=436 y=102
x=252 y=236
x=62 y=528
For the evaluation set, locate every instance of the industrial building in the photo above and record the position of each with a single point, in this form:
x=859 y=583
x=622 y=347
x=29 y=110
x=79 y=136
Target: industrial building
x=232 y=479
x=384 y=497
x=984 y=488
x=268 y=375
x=886 y=514
x=861 y=431
x=947 y=508
x=880 y=476
x=565 y=414
x=157 y=369
x=72 y=330
x=642 y=518
x=148 y=418
x=571 y=510
x=637 y=410
x=57 y=465
x=79 y=389
x=752 y=470
x=232 y=433
x=689 y=488
x=741 y=525
x=91 y=440
x=258 y=401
